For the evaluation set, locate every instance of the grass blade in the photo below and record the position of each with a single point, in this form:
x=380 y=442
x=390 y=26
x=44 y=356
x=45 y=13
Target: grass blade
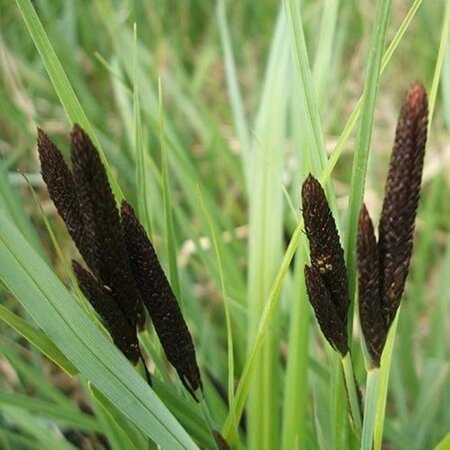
x=265 y=239
x=364 y=138
x=60 y=82
x=39 y=339
x=49 y=303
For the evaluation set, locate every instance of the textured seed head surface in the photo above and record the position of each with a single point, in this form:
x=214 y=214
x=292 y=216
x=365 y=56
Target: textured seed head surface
x=327 y=255
x=108 y=258
x=85 y=202
x=123 y=335
x=401 y=198
x=370 y=305
x=61 y=187
x=160 y=301
x=383 y=267
x=333 y=328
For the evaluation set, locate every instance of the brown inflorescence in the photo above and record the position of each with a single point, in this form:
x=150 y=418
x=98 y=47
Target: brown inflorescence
x=160 y=300
x=326 y=279
x=370 y=307
x=122 y=333
x=383 y=267
x=106 y=255
x=124 y=272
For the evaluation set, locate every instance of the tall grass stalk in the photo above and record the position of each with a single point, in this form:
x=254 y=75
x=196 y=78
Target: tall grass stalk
x=364 y=137
x=265 y=228
x=61 y=83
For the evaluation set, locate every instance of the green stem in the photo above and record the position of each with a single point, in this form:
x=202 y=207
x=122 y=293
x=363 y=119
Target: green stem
x=208 y=419
x=338 y=404
x=385 y=367
x=364 y=138
x=270 y=306
x=352 y=392
x=372 y=385
x=296 y=380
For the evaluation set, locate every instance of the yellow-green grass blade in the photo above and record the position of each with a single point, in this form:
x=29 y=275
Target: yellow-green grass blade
x=40 y=430
x=444 y=443
x=167 y=203
x=265 y=240
x=313 y=129
x=119 y=432
x=142 y=187
x=10 y=202
x=233 y=86
x=230 y=351
x=266 y=318
x=297 y=385
x=68 y=416
x=60 y=81
x=38 y=338
x=361 y=155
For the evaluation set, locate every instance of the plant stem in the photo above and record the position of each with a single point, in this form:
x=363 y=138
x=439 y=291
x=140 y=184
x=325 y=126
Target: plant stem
x=373 y=379
x=296 y=379
x=385 y=367
x=352 y=392
x=364 y=138
x=270 y=306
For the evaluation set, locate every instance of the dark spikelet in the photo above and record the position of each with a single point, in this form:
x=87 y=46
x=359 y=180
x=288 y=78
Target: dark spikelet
x=123 y=335
x=333 y=328
x=401 y=198
x=107 y=257
x=61 y=187
x=327 y=255
x=370 y=305
x=160 y=301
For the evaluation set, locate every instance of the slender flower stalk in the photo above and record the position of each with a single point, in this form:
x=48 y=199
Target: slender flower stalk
x=124 y=272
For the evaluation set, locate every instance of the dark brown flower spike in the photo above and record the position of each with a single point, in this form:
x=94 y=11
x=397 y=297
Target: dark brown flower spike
x=326 y=279
x=327 y=316
x=401 y=198
x=124 y=271
x=383 y=268
x=370 y=306
x=86 y=204
x=106 y=257
x=61 y=187
x=123 y=334
x=160 y=301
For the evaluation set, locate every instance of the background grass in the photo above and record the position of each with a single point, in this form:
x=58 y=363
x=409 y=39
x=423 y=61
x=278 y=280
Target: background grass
x=223 y=147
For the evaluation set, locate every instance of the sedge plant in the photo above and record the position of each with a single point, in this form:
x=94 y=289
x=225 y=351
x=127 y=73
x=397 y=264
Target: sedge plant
x=219 y=123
